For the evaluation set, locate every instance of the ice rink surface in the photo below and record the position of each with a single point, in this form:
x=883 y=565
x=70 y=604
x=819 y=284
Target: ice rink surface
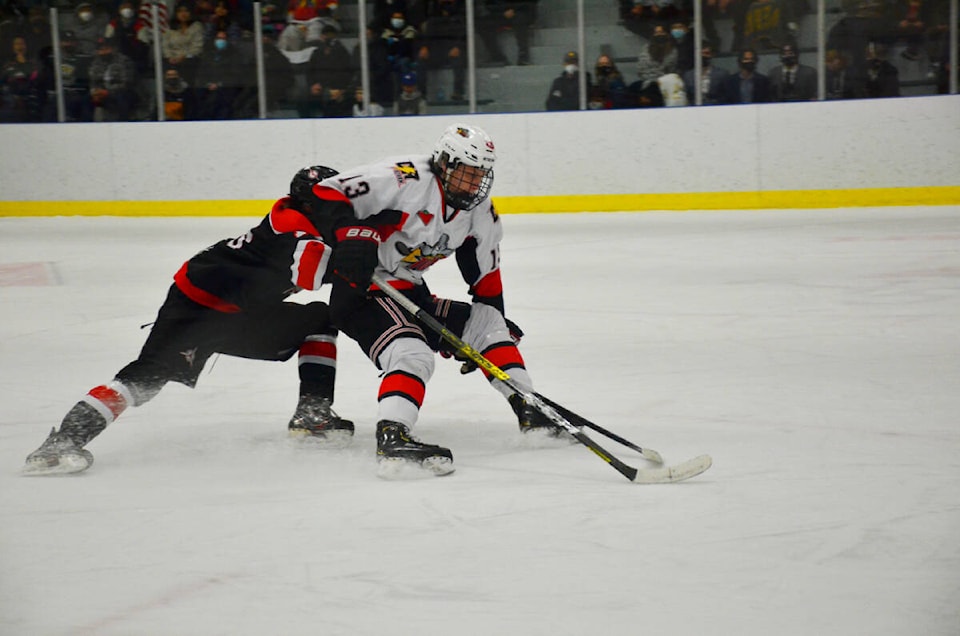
x=814 y=354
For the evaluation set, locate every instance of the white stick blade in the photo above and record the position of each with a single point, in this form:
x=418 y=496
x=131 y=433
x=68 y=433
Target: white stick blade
x=677 y=472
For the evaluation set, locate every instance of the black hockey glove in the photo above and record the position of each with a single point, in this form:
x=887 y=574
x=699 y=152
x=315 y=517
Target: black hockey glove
x=469 y=366
x=355 y=256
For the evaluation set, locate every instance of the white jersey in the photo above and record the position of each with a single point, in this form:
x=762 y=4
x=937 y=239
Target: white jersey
x=427 y=231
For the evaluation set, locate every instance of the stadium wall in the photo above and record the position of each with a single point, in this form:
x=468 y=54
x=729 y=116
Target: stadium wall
x=836 y=154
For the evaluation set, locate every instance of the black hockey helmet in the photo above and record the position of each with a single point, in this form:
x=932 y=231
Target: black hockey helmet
x=306 y=178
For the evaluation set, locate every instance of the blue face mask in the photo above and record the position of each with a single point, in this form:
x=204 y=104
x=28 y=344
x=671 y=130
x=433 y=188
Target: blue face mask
x=220 y=44
x=678 y=34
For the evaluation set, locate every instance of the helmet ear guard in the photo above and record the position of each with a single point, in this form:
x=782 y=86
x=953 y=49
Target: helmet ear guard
x=462 y=144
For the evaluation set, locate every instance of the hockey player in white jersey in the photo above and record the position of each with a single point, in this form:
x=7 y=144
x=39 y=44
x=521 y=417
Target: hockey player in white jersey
x=398 y=217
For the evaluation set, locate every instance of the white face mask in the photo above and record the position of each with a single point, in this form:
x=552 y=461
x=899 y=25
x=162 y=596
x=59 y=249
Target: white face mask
x=85 y=16
x=397 y=23
x=126 y=12
x=570 y=68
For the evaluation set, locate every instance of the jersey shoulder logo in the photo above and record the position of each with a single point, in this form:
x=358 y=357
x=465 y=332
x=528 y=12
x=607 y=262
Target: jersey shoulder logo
x=405 y=171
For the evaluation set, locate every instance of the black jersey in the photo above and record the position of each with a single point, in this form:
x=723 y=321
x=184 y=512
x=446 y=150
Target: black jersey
x=278 y=257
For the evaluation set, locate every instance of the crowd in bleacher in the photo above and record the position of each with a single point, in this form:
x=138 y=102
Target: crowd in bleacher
x=416 y=56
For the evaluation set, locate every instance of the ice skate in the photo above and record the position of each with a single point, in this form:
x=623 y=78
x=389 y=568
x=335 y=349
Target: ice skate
x=58 y=455
x=316 y=421
x=533 y=422
x=400 y=455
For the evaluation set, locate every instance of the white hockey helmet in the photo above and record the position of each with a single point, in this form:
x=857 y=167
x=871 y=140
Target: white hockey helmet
x=462 y=144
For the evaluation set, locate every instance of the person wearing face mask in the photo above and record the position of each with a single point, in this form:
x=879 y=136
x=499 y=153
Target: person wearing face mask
x=712 y=78
x=657 y=58
x=123 y=28
x=682 y=37
x=792 y=81
x=87 y=27
x=565 y=89
x=220 y=80
x=747 y=86
x=611 y=89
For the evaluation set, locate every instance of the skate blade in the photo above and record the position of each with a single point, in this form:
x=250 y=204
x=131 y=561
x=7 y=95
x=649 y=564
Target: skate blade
x=331 y=440
x=544 y=437
x=68 y=465
x=399 y=469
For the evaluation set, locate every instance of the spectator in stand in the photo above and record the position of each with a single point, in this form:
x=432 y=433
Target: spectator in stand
x=611 y=89
x=329 y=68
x=75 y=75
x=360 y=110
x=401 y=44
x=683 y=41
x=383 y=10
x=380 y=67
x=746 y=86
x=221 y=80
x=37 y=30
x=446 y=39
x=308 y=10
x=565 y=90
x=183 y=44
x=123 y=29
x=179 y=103
x=88 y=27
x=222 y=18
x=508 y=15
x=20 y=87
x=410 y=101
x=641 y=16
x=792 y=81
x=657 y=58
x=113 y=81
x=881 y=78
x=339 y=103
x=853 y=33
x=767 y=24
x=712 y=79
x=839 y=83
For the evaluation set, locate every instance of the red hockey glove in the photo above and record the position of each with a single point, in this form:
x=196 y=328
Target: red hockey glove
x=355 y=256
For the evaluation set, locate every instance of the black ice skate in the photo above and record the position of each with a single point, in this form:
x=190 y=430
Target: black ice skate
x=58 y=455
x=315 y=420
x=533 y=421
x=397 y=449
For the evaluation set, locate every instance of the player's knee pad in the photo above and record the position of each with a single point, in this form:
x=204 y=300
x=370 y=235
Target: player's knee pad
x=408 y=355
x=485 y=327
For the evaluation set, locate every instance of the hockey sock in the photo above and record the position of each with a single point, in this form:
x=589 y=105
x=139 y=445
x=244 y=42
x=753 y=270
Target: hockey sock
x=317 y=365
x=98 y=408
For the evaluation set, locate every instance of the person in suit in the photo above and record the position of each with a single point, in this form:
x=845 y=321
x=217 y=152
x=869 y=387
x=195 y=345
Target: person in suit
x=792 y=81
x=746 y=86
x=711 y=78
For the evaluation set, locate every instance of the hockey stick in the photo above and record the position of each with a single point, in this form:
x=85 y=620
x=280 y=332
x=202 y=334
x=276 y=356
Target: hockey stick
x=663 y=474
x=578 y=420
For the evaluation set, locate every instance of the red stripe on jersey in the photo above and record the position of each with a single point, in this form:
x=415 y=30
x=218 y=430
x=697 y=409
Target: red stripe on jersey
x=285 y=219
x=330 y=194
x=504 y=356
x=307 y=262
x=396 y=284
x=200 y=296
x=490 y=285
x=403 y=385
x=319 y=349
x=110 y=399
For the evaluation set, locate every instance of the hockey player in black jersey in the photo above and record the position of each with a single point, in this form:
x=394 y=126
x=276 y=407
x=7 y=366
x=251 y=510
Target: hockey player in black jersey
x=227 y=299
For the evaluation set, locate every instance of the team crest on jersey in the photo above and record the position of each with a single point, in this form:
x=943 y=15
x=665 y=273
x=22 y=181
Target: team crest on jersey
x=423 y=256
x=405 y=171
